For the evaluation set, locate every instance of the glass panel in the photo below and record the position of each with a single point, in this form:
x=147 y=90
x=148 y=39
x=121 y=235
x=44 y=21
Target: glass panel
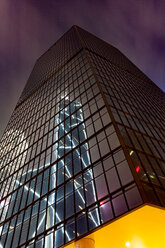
x=59 y=211
x=124 y=173
x=81 y=225
x=69 y=231
x=49 y=241
x=112 y=179
x=90 y=193
x=93 y=219
x=105 y=211
x=119 y=205
x=69 y=205
x=59 y=237
x=133 y=197
x=101 y=187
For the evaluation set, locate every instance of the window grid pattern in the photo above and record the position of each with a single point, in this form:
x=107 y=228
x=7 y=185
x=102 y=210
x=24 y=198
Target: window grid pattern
x=143 y=134
x=63 y=170
x=58 y=148
x=56 y=56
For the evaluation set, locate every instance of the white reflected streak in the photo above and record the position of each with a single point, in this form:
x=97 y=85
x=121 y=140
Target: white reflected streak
x=74 y=145
x=85 y=165
x=65 y=147
x=77 y=104
x=74 y=125
x=49 y=241
x=41 y=221
x=93 y=219
x=28 y=189
x=66 y=234
x=54 y=182
x=76 y=184
x=66 y=114
x=31 y=190
x=79 y=119
x=47 y=164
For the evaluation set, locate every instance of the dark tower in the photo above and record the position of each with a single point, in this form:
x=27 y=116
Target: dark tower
x=84 y=145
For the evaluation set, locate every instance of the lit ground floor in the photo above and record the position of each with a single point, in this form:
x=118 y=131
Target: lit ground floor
x=141 y=228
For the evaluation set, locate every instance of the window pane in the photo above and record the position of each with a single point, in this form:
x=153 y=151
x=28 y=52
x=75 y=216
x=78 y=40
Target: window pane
x=112 y=179
x=101 y=186
x=124 y=172
x=81 y=225
x=106 y=211
x=119 y=205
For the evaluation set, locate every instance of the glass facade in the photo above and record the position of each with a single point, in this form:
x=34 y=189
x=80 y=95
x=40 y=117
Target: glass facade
x=84 y=145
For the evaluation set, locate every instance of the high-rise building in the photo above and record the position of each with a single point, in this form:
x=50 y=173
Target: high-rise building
x=82 y=157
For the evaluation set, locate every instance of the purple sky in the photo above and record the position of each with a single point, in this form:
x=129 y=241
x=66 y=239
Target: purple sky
x=29 y=27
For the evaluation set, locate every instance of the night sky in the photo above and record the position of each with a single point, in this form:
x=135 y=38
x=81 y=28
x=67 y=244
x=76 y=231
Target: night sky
x=29 y=27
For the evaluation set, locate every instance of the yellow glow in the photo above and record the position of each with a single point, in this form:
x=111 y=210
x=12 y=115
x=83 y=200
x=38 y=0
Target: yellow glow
x=142 y=228
x=131 y=152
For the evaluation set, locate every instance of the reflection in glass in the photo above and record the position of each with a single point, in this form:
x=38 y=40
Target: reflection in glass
x=71 y=160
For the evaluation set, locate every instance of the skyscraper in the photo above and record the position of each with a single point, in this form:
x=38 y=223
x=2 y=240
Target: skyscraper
x=84 y=147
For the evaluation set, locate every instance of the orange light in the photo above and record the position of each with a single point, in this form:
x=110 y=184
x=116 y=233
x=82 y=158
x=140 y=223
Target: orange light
x=141 y=228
